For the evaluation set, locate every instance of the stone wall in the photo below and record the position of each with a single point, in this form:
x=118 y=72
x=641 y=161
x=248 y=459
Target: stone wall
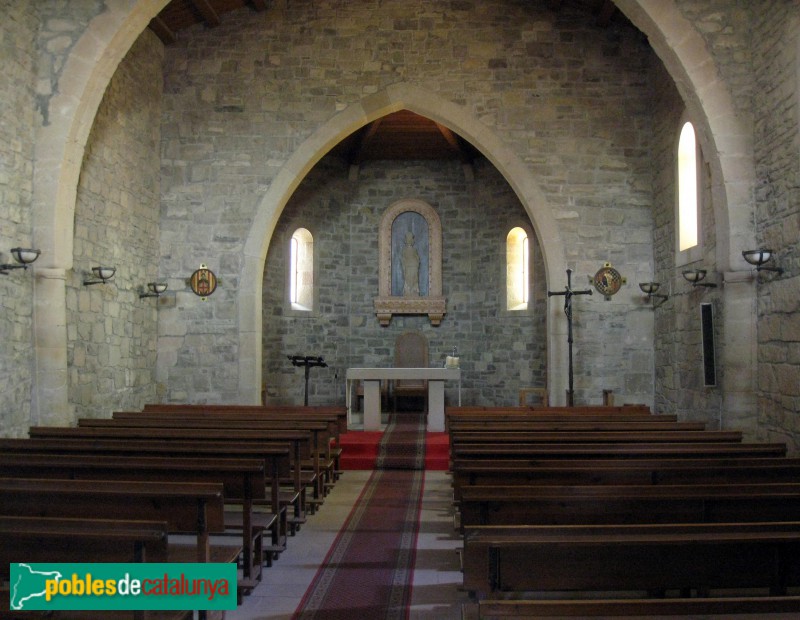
x=679 y=381
x=571 y=100
x=111 y=332
x=17 y=83
x=500 y=351
x=776 y=56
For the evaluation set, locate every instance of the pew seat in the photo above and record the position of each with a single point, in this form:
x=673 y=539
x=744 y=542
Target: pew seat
x=633 y=559
x=717 y=608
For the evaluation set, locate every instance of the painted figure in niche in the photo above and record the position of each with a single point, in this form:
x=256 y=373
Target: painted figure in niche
x=410 y=263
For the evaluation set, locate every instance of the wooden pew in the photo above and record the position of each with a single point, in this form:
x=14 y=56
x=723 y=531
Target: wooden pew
x=617 y=451
x=186 y=507
x=576 y=424
x=633 y=558
x=44 y=539
x=195 y=508
x=716 y=608
x=49 y=539
x=243 y=483
x=339 y=412
x=277 y=459
x=301 y=440
x=335 y=416
x=519 y=438
x=577 y=410
x=323 y=433
x=503 y=418
x=607 y=504
x=625 y=472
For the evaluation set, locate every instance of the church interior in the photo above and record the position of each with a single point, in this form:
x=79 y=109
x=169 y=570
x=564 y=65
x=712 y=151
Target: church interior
x=585 y=205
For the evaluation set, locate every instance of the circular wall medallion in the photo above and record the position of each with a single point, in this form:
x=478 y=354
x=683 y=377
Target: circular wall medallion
x=203 y=282
x=608 y=281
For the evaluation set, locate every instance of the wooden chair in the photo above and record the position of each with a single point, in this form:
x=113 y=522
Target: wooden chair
x=410 y=351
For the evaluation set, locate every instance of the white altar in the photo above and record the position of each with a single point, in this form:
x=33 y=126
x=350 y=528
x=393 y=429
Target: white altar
x=372 y=378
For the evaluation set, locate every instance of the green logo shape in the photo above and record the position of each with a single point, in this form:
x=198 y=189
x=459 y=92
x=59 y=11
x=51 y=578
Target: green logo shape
x=123 y=586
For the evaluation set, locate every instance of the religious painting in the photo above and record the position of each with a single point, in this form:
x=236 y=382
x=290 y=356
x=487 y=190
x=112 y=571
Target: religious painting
x=410 y=256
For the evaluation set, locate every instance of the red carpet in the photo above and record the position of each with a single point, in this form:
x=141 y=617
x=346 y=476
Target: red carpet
x=403 y=443
x=368 y=570
x=360 y=450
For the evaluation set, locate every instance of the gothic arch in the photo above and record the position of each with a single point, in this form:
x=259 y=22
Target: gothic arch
x=725 y=138
x=394 y=98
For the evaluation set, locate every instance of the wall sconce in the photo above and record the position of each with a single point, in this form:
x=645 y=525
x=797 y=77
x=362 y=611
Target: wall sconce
x=101 y=274
x=155 y=288
x=757 y=258
x=696 y=277
x=23 y=256
x=649 y=289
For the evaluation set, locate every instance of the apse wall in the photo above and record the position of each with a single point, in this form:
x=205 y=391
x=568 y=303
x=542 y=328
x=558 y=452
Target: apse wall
x=500 y=350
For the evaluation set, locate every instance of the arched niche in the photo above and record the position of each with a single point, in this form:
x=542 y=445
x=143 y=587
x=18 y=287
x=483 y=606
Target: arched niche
x=420 y=220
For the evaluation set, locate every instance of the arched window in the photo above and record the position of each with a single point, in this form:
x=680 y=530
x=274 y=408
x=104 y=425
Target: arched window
x=687 y=191
x=517 y=269
x=301 y=270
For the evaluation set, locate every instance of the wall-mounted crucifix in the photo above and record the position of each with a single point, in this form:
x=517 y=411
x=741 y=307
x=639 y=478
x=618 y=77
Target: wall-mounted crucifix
x=568 y=293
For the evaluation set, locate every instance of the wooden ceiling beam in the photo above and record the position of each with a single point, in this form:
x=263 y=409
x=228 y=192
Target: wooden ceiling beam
x=161 y=30
x=605 y=12
x=207 y=12
x=455 y=145
x=366 y=138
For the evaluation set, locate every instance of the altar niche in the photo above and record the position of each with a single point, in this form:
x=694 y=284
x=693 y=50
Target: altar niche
x=410 y=262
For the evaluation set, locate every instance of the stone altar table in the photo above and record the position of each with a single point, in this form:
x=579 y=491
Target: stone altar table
x=372 y=378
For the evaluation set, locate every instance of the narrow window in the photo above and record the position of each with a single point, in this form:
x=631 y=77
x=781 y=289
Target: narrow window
x=301 y=270
x=517 y=269
x=688 y=218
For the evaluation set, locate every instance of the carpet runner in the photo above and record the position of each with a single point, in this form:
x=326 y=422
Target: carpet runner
x=360 y=450
x=403 y=443
x=368 y=570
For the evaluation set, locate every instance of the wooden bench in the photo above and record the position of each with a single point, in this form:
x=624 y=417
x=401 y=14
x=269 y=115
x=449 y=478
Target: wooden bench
x=763 y=608
x=323 y=433
x=301 y=440
x=577 y=410
x=520 y=439
x=577 y=424
x=48 y=539
x=41 y=539
x=339 y=412
x=624 y=472
x=633 y=558
x=193 y=508
x=243 y=483
x=337 y=421
x=607 y=504
x=617 y=451
x=717 y=608
x=277 y=458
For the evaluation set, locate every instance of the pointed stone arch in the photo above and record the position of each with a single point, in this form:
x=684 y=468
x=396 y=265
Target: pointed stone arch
x=395 y=97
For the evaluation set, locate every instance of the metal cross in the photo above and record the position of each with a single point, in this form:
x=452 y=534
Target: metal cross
x=568 y=293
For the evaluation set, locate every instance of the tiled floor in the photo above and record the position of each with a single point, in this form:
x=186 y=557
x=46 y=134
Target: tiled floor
x=437 y=578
